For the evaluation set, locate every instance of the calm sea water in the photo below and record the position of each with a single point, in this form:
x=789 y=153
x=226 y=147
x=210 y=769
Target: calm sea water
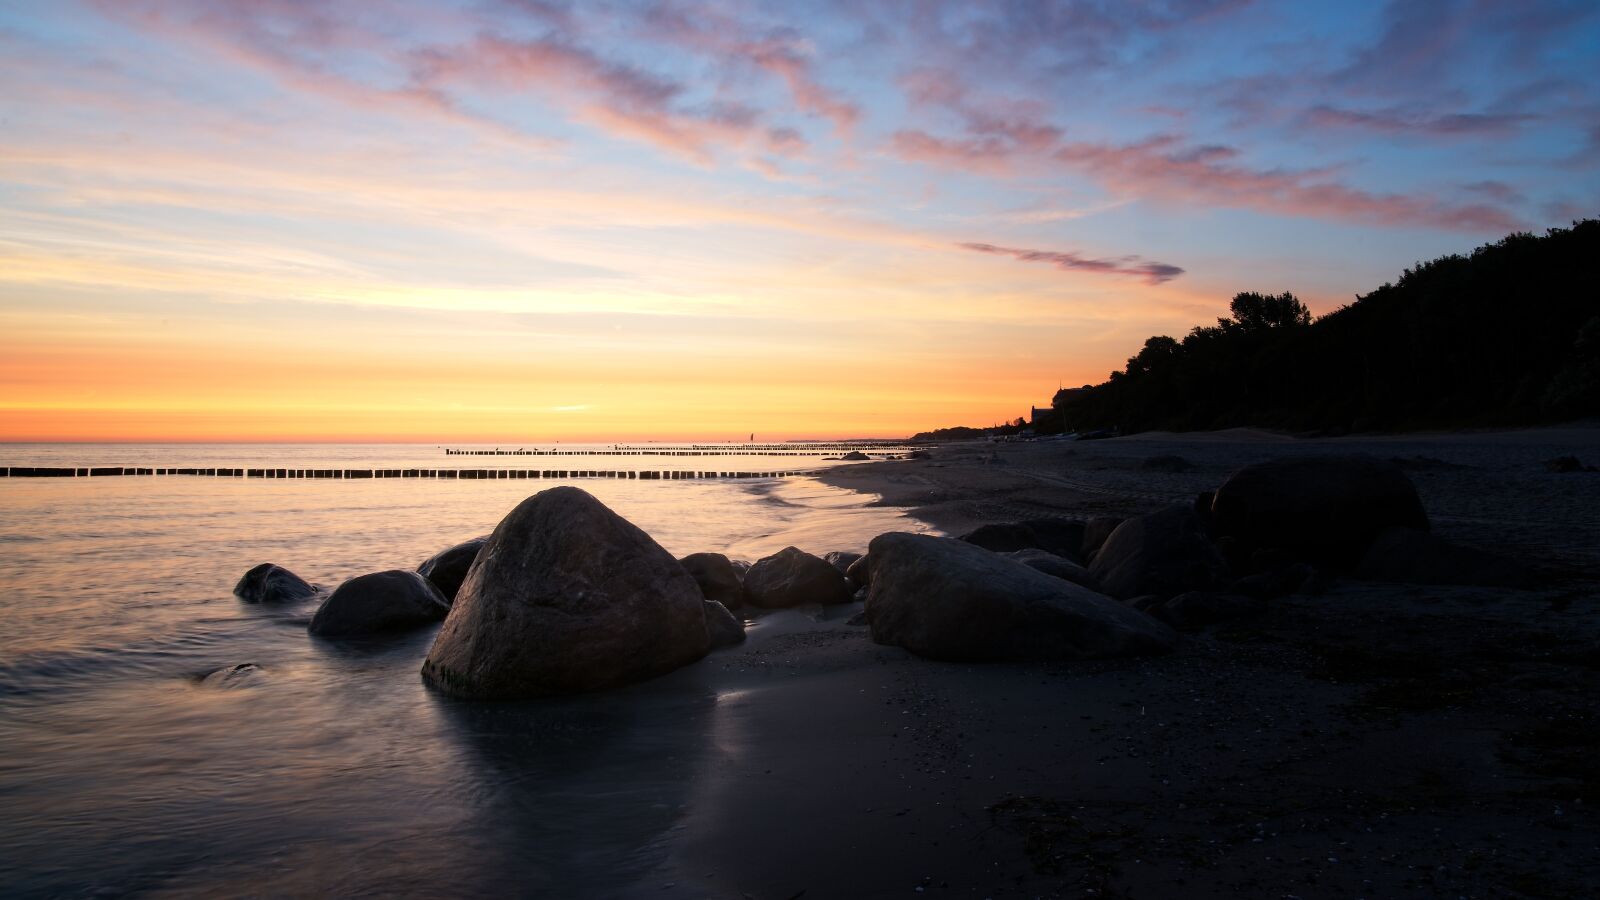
x=333 y=770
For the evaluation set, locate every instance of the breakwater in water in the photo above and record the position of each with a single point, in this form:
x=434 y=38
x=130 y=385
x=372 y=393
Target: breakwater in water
x=469 y=474
x=883 y=452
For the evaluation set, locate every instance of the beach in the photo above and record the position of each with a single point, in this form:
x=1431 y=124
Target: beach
x=1372 y=741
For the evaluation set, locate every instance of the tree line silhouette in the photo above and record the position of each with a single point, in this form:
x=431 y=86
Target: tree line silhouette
x=1508 y=335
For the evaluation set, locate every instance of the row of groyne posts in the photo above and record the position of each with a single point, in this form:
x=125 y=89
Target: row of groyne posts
x=675 y=452
x=639 y=475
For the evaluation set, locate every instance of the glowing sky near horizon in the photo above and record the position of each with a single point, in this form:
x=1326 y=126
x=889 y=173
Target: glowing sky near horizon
x=524 y=220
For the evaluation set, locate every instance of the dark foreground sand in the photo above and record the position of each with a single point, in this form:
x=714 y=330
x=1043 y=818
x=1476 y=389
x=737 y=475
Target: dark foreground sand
x=1374 y=741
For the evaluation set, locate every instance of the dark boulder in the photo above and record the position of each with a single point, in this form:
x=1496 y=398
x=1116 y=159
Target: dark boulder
x=860 y=572
x=268 y=583
x=567 y=597
x=951 y=600
x=1095 y=532
x=723 y=627
x=1195 y=609
x=1410 y=556
x=1324 y=509
x=1063 y=537
x=1003 y=538
x=1165 y=553
x=841 y=560
x=235 y=676
x=448 y=568
x=1051 y=564
x=383 y=601
x=855 y=456
x=719 y=580
x=793 y=577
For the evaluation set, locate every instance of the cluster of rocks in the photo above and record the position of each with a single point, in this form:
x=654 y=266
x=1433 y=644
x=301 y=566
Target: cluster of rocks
x=566 y=596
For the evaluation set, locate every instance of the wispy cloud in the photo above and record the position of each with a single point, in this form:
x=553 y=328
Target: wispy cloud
x=1131 y=266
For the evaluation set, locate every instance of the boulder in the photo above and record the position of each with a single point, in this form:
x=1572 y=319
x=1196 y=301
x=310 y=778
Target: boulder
x=723 y=627
x=855 y=456
x=860 y=572
x=1003 y=538
x=1051 y=564
x=1198 y=608
x=448 y=568
x=1322 y=509
x=235 y=676
x=268 y=583
x=1417 y=557
x=567 y=596
x=1061 y=536
x=383 y=601
x=1095 y=532
x=793 y=577
x=1165 y=553
x=719 y=580
x=841 y=560
x=947 y=599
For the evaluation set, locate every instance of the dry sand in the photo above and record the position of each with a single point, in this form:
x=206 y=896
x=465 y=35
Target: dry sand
x=1373 y=741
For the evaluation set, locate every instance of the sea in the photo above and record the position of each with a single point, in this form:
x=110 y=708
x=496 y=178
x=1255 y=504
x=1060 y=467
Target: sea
x=330 y=768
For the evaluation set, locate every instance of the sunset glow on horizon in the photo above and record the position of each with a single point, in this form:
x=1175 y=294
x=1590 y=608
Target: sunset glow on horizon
x=519 y=221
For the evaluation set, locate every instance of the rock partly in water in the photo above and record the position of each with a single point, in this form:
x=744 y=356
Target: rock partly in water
x=948 y=599
x=1322 y=509
x=448 y=568
x=567 y=597
x=855 y=456
x=1051 y=564
x=268 y=583
x=719 y=579
x=1410 y=556
x=383 y=601
x=230 y=677
x=1166 y=553
x=792 y=577
x=1195 y=609
x=723 y=627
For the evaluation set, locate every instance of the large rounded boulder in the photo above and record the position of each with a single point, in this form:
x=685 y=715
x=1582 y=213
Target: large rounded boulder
x=268 y=583
x=719 y=580
x=1164 y=553
x=1322 y=509
x=566 y=597
x=1051 y=564
x=793 y=577
x=383 y=601
x=448 y=568
x=944 y=598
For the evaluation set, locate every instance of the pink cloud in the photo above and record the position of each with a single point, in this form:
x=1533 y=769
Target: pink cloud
x=781 y=52
x=1397 y=122
x=1007 y=138
x=1150 y=272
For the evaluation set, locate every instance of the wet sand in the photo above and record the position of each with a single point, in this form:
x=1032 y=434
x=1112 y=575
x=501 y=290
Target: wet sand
x=1372 y=741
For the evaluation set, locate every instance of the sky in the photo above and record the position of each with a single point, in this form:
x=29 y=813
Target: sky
x=520 y=220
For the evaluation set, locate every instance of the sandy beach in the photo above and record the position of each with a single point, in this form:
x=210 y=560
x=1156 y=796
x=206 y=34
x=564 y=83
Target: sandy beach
x=1371 y=741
